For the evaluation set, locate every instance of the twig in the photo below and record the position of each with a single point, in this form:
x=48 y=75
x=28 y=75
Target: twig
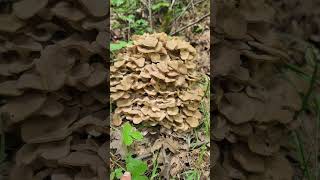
x=192 y=4
x=185 y=10
x=115 y=162
x=155 y=167
x=191 y=24
x=195 y=145
x=144 y=3
x=182 y=13
x=144 y=156
x=150 y=13
x=172 y=3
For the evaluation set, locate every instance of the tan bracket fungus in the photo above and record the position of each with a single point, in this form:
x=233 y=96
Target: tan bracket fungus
x=155 y=81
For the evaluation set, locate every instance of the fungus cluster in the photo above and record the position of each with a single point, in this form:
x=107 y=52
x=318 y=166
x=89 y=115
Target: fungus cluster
x=155 y=81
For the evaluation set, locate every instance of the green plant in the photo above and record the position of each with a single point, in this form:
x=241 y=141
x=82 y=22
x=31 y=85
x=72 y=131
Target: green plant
x=166 y=14
x=192 y=175
x=161 y=5
x=119 y=45
x=117 y=173
x=197 y=29
x=125 y=6
x=140 y=26
x=154 y=173
x=136 y=167
x=201 y=154
x=129 y=134
x=128 y=17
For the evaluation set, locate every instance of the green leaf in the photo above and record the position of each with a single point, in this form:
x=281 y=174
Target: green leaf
x=197 y=29
x=129 y=134
x=192 y=175
x=119 y=45
x=137 y=135
x=139 y=178
x=160 y=5
x=118 y=173
x=136 y=167
x=112 y=175
x=126 y=131
x=117 y=3
x=142 y=22
x=140 y=26
x=130 y=18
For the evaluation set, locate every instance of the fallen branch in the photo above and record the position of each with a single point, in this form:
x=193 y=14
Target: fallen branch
x=191 y=24
x=185 y=10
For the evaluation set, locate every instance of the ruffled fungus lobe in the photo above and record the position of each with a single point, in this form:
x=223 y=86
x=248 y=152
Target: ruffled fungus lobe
x=155 y=81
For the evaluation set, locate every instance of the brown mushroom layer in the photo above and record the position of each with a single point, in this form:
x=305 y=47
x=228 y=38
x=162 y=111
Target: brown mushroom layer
x=155 y=81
